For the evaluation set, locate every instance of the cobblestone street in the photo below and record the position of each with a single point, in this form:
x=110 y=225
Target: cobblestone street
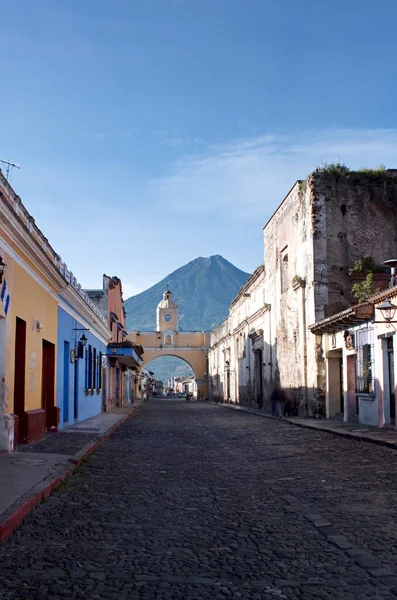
x=191 y=500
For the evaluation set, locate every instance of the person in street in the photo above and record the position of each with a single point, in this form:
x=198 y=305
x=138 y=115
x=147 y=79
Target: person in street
x=277 y=399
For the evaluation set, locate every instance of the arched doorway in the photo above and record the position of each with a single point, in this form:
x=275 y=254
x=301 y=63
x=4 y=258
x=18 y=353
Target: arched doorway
x=175 y=375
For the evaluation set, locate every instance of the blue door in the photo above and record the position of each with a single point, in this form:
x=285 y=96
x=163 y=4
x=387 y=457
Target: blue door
x=66 y=354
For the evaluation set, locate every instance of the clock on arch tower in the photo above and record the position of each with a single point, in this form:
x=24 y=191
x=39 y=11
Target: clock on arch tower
x=167 y=313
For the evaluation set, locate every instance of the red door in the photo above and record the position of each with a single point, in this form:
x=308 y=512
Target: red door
x=19 y=379
x=48 y=385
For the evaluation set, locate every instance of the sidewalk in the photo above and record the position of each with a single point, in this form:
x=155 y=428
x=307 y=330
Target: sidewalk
x=386 y=436
x=33 y=472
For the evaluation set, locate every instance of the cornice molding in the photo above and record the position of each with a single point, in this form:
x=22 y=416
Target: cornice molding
x=223 y=340
x=164 y=349
x=19 y=235
x=22 y=230
x=73 y=304
x=21 y=263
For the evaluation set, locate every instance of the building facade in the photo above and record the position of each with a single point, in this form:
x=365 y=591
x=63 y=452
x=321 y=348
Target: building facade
x=238 y=352
x=47 y=379
x=358 y=347
x=312 y=242
x=123 y=359
x=83 y=336
x=321 y=228
x=28 y=325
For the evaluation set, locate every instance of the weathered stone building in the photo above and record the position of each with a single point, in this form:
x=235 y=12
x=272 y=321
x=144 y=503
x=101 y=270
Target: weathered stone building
x=324 y=224
x=237 y=353
x=321 y=228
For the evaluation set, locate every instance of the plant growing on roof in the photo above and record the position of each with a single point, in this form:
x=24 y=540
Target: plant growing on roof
x=363 y=290
x=337 y=168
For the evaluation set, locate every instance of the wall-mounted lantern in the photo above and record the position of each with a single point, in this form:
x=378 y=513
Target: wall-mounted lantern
x=83 y=340
x=3 y=268
x=388 y=310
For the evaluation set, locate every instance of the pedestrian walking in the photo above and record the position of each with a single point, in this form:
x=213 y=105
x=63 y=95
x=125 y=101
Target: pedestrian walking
x=277 y=398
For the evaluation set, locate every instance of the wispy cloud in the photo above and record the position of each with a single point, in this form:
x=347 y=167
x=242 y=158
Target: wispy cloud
x=99 y=135
x=130 y=132
x=251 y=176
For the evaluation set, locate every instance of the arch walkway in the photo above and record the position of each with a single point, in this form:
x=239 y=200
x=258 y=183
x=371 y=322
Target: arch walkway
x=190 y=346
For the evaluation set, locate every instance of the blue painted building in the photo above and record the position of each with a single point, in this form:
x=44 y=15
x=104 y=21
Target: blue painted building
x=83 y=335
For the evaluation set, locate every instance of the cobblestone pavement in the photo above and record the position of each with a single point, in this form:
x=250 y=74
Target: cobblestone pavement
x=59 y=443
x=192 y=501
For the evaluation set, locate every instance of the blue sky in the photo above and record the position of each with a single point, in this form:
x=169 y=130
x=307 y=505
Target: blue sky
x=151 y=132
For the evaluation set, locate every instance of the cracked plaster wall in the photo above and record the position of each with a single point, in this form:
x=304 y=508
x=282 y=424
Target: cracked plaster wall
x=324 y=225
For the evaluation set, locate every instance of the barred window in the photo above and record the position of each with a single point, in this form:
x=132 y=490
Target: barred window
x=365 y=361
x=94 y=370
x=100 y=371
x=90 y=373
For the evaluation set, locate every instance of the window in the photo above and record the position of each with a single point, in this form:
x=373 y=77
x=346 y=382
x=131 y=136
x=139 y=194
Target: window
x=365 y=362
x=100 y=371
x=86 y=369
x=90 y=373
x=284 y=271
x=95 y=370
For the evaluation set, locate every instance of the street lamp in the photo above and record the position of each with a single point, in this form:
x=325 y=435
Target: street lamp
x=387 y=310
x=3 y=268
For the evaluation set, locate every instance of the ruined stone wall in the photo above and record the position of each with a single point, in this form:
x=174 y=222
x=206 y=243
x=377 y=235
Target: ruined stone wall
x=359 y=219
x=289 y=290
x=323 y=226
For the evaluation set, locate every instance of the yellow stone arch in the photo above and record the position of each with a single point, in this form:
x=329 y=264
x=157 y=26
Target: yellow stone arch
x=190 y=346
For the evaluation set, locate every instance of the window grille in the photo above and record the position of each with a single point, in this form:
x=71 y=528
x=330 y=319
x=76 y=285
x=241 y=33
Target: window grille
x=94 y=370
x=100 y=371
x=365 y=361
x=90 y=367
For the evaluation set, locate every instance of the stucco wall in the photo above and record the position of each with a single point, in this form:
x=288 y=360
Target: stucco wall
x=231 y=343
x=289 y=233
x=32 y=303
x=180 y=339
x=115 y=303
x=87 y=405
x=324 y=225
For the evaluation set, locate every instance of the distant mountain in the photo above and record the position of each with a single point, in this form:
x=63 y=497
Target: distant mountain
x=203 y=290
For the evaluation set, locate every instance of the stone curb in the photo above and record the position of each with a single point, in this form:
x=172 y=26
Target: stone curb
x=349 y=434
x=21 y=508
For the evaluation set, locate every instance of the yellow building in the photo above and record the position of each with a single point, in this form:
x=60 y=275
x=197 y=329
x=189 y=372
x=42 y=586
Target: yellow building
x=190 y=346
x=28 y=325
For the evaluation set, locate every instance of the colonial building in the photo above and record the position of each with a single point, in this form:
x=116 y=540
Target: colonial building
x=358 y=347
x=43 y=312
x=321 y=228
x=28 y=325
x=82 y=340
x=123 y=358
x=238 y=351
x=313 y=240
